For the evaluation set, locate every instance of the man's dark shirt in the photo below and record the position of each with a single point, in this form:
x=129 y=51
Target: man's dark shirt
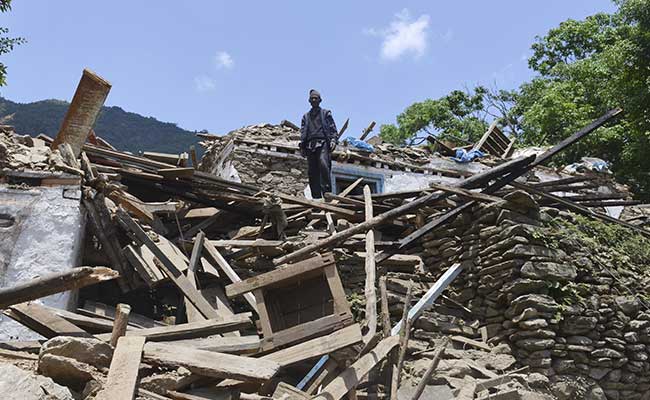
x=318 y=127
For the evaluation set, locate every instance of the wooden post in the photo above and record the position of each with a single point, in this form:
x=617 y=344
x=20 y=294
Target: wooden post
x=367 y=131
x=371 y=275
x=403 y=343
x=432 y=367
x=83 y=111
x=122 y=312
x=54 y=283
x=385 y=327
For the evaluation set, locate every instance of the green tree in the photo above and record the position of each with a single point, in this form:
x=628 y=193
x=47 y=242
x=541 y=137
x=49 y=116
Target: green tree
x=6 y=43
x=585 y=68
x=459 y=115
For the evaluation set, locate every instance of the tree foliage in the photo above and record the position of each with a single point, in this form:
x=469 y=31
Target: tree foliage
x=583 y=69
x=459 y=115
x=6 y=43
x=586 y=68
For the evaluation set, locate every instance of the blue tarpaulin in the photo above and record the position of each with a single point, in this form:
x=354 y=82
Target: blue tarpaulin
x=360 y=145
x=464 y=156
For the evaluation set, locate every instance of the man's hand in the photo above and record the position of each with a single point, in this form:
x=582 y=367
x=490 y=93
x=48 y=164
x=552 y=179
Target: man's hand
x=333 y=144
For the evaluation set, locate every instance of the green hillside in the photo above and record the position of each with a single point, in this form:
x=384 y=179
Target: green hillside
x=124 y=130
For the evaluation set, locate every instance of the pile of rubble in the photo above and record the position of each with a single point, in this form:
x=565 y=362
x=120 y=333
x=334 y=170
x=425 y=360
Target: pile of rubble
x=217 y=282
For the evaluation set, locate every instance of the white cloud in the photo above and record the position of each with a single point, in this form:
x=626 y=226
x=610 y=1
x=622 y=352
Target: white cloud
x=223 y=60
x=403 y=36
x=204 y=83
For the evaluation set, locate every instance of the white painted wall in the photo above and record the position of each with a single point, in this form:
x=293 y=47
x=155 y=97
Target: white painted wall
x=46 y=237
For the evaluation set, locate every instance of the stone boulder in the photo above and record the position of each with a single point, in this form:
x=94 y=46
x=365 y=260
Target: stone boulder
x=68 y=371
x=18 y=384
x=549 y=271
x=86 y=350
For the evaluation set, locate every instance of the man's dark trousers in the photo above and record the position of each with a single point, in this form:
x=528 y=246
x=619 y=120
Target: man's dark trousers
x=319 y=163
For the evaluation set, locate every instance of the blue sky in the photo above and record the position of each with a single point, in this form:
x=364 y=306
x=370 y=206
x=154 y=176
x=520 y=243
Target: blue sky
x=220 y=65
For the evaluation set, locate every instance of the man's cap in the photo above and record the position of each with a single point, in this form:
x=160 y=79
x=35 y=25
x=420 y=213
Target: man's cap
x=314 y=93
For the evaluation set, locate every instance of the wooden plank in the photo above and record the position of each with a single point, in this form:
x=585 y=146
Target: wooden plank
x=317 y=347
x=492 y=382
x=478 y=196
x=431 y=295
x=18 y=355
x=371 y=272
x=44 y=322
x=404 y=334
x=367 y=131
x=307 y=330
x=256 y=244
x=173 y=173
x=279 y=275
x=99 y=310
x=203 y=225
x=284 y=391
x=131 y=205
x=580 y=209
x=90 y=324
x=432 y=367
x=227 y=269
x=388 y=216
x=58 y=282
x=122 y=312
x=469 y=342
x=342 y=212
x=210 y=363
x=352 y=375
x=169 y=267
x=123 y=373
x=150 y=274
x=191 y=329
x=234 y=345
x=343 y=128
x=192 y=313
x=204 y=212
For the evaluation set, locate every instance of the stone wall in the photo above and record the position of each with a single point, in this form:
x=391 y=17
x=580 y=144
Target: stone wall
x=530 y=284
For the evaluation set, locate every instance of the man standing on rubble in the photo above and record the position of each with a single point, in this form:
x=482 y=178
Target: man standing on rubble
x=318 y=138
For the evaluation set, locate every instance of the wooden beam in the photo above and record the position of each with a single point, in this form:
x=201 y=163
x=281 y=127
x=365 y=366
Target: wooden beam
x=191 y=329
x=352 y=375
x=43 y=321
x=122 y=312
x=371 y=272
x=168 y=266
x=401 y=210
x=192 y=313
x=282 y=274
x=317 y=347
x=343 y=129
x=227 y=269
x=581 y=209
x=404 y=334
x=123 y=373
x=58 y=282
x=210 y=363
x=84 y=108
x=256 y=244
x=432 y=367
x=341 y=212
x=541 y=159
x=173 y=173
x=234 y=345
x=367 y=131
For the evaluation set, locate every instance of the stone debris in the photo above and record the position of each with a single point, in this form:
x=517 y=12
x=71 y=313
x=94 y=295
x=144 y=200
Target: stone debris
x=225 y=281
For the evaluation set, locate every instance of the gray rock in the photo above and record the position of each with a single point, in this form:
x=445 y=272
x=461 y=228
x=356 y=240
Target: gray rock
x=535 y=344
x=86 y=350
x=540 y=302
x=532 y=324
x=595 y=393
x=579 y=340
x=18 y=384
x=638 y=325
x=607 y=353
x=67 y=371
x=549 y=271
x=576 y=325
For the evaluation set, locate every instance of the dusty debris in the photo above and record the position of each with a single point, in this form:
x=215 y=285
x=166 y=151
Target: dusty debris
x=238 y=285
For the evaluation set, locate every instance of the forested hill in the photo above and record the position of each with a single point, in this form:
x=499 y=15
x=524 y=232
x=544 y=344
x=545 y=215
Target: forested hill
x=124 y=130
